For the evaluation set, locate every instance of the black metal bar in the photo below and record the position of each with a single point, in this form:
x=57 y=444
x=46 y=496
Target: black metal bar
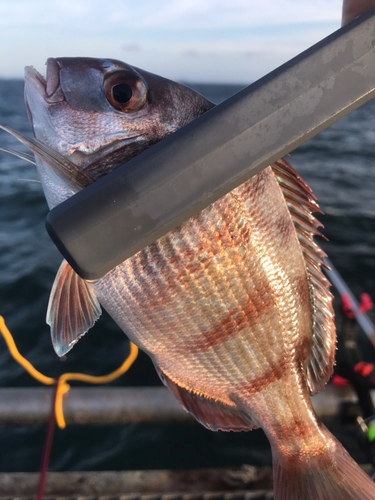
x=196 y=484
x=120 y=214
x=92 y=405
x=126 y=405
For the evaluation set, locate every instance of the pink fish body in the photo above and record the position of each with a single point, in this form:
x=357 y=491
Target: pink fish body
x=219 y=292
x=232 y=306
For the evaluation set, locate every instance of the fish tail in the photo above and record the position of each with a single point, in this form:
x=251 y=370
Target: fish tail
x=324 y=473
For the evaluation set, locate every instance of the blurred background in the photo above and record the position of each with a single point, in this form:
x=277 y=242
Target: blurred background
x=217 y=48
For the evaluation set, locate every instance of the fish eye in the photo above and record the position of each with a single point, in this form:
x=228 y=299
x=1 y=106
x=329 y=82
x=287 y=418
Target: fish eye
x=125 y=91
x=122 y=93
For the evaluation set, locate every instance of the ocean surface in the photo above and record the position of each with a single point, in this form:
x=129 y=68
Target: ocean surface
x=339 y=165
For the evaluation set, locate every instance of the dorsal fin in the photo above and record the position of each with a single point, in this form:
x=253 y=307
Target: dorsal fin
x=72 y=309
x=301 y=204
x=213 y=415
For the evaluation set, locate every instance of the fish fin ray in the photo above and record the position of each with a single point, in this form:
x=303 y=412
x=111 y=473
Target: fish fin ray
x=329 y=475
x=301 y=204
x=19 y=154
x=72 y=309
x=214 y=415
x=61 y=165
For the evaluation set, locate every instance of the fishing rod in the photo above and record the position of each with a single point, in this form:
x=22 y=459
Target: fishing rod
x=350 y=301
x=155 y=192
x=350 y=364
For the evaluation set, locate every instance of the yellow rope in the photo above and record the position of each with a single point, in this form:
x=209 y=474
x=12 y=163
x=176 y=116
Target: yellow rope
x=20 y=359
x=62 y=385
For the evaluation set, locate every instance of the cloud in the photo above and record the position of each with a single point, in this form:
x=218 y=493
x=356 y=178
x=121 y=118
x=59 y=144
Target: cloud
x=167 y=14
x=238 y=13
x=132 y=47
x=190 y=53
x=171 y=37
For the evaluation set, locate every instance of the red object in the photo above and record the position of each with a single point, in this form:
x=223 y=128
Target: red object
x=347 y=306
x=340 y=381
x=363 y=369
x=365 y=305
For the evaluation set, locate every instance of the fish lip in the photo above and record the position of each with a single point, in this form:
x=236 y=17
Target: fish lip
x=35 y=79
x=48 y=88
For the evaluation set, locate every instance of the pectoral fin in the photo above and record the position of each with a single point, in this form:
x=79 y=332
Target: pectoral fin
x=72 y=309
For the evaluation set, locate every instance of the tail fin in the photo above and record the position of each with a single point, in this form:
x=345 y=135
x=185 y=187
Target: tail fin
x=330 y=474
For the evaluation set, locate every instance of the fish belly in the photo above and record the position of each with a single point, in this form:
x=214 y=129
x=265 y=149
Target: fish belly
x=221 y=304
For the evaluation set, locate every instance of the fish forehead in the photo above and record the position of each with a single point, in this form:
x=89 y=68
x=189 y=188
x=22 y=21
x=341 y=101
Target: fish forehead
x=102 y=64
x=221 y=305
x=81 y=80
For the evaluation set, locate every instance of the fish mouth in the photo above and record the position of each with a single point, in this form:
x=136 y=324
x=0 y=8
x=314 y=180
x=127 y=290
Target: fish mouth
x=49 y=87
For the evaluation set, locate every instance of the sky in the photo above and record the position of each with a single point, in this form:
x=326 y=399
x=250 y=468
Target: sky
x=211 y=41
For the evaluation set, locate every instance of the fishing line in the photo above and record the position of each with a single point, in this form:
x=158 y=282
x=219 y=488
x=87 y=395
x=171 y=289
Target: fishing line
x=47 y=447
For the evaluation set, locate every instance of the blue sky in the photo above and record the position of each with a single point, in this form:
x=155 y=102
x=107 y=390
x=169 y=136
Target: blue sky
x=232 y=41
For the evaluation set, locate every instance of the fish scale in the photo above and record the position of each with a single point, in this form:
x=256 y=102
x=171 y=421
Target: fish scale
x=233 y=282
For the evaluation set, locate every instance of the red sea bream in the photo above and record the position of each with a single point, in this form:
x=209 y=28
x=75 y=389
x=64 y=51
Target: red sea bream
x=232 y=306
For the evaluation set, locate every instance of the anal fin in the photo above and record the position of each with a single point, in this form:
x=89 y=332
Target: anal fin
x=213 y=415
x=72 y=309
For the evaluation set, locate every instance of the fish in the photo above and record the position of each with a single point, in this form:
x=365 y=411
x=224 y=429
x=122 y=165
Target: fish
x=232 y=306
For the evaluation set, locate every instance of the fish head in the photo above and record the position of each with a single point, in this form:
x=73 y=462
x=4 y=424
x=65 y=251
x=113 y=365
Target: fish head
x=100 y=113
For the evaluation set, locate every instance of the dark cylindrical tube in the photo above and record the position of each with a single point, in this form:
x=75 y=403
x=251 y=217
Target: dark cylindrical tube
x=128 y=209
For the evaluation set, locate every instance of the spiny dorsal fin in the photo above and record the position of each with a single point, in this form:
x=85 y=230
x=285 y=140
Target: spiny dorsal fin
x=301 y=204
x=72 y=309
x=214 y=415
